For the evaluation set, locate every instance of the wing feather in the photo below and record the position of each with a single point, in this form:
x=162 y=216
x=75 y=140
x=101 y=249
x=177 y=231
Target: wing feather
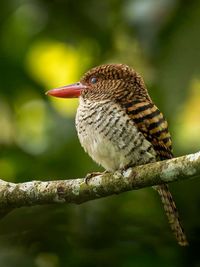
x=151 y=122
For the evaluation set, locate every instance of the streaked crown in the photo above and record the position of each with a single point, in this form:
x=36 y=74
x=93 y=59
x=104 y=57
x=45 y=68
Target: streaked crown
x=113 y=81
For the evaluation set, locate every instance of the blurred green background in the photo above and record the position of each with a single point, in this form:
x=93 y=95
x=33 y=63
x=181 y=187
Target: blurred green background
x=46 y=44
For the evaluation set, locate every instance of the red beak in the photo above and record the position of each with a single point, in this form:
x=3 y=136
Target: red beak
x=68 y=91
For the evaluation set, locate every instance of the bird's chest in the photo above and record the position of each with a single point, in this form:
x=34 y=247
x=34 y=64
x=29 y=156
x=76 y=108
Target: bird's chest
x=109 y=136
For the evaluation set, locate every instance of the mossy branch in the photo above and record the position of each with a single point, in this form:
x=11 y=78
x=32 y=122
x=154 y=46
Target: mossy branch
x=77 y=191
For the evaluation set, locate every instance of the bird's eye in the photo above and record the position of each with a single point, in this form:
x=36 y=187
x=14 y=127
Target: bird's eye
x=93 y=80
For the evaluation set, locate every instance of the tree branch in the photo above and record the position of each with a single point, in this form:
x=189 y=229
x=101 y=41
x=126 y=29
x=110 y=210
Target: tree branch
x=79 y=190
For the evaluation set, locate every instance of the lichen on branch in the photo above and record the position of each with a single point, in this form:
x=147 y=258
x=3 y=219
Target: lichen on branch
x=80 y=190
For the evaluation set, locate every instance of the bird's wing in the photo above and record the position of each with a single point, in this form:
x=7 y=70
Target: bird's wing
x=152 y=124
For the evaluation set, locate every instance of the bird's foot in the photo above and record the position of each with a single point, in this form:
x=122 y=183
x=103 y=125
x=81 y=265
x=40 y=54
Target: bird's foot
x=125 y=170
x=126 y=167
x=91 y=175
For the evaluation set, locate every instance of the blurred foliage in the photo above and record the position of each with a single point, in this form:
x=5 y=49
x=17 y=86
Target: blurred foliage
x=46 y=44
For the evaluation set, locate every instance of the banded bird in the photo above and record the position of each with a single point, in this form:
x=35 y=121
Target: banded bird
x=119 y=126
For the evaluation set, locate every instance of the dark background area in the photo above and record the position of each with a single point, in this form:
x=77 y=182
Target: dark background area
x=46 y=44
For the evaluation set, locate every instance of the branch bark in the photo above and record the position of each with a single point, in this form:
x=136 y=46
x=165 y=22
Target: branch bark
x=77 y=191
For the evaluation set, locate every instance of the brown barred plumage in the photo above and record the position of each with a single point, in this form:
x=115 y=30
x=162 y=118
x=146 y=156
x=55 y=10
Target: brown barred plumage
x=172 y=214
x=152 y=124
x=118 y=125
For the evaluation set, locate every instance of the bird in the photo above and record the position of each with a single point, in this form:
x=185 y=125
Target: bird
x=119 y=126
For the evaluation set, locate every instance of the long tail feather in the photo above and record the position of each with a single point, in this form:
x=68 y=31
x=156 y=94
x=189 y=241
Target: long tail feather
x=172 y=214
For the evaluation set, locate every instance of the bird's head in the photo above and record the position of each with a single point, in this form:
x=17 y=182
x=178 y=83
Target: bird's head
x=106 y=82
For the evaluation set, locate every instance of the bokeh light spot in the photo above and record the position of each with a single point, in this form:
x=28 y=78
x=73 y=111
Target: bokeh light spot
x=188 y=127
x=52 y=63
x=55 y=64
x=31 y=127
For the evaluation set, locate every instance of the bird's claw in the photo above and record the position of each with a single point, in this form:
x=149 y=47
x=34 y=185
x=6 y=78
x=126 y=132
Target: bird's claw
x=91 y=175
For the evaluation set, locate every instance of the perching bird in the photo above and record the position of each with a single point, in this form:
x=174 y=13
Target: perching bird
x=119 y=126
